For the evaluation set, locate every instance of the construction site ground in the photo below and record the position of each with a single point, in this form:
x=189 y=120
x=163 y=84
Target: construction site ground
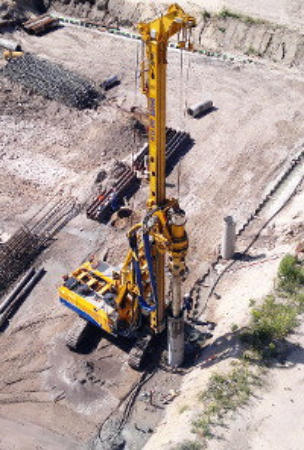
x=49 y=396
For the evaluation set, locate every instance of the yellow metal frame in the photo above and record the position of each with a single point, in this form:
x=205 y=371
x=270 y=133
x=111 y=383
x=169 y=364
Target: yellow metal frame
x=156 y=35
x=164 y=220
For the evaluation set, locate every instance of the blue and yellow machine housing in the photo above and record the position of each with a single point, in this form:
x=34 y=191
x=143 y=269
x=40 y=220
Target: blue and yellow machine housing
x=95 y=293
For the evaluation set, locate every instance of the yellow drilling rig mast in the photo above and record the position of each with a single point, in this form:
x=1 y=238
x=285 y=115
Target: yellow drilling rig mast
x=130 y=300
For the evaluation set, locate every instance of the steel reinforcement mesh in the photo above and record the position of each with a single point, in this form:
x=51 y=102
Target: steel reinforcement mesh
x=20 y=251
x=52 y=81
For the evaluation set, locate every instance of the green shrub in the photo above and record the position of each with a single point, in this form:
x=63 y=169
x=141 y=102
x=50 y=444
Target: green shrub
x=224 y=13
x=206 y=14
x=270 y=322
x=299 y=301
x=252 y=51
x=234 y=327
x=189 y=445
x=273 y=320
x=290 y=274
x=227 y=13
x=225 y=392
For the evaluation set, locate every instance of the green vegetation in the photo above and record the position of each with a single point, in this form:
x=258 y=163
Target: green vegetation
x=298 y=300
x=251 y=302
x=227 y=13
x=206 y=14
x=276 y=317
x=234 y=327
x=222 y=29
x=291 y=275
x=189 y=445
x=224 y=393
x=270 y=323
x=253 y=52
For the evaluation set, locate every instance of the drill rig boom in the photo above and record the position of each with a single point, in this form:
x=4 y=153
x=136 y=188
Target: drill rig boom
x=123 y=300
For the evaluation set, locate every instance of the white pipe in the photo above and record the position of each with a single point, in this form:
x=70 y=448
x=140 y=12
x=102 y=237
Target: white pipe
x=200 y=108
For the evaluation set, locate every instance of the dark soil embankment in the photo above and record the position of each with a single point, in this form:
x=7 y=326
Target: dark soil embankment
x=20 y=9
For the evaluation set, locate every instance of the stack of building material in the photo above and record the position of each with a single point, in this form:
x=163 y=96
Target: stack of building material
x=18 y=252
x=101 y=208
x=40 y=24
x=52 y=81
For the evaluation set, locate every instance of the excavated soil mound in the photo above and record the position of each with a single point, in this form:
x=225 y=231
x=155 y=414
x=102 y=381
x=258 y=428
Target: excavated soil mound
x=20 y=9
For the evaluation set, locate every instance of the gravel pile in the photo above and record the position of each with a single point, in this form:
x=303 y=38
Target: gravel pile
x=52 y=81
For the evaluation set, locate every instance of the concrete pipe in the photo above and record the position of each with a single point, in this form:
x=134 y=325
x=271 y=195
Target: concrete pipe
x=10 y=45
x=176 y=341
x=228 y=242
x=200 y=108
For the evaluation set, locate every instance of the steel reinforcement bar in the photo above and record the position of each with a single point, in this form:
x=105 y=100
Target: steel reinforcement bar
x=18 y=253
x=52 y=81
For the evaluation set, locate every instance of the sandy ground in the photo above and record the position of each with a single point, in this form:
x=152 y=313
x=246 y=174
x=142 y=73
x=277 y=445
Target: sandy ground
x=239 y=149
x=269 y=421
x=245 y=97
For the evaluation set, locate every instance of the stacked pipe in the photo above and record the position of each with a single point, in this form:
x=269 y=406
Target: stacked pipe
x=174 y=141
x=17 y=253
x=99 y=208
x=23 y=288
x=52 y=81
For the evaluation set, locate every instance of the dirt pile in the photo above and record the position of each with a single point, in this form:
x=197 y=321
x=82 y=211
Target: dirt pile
x=123 y=12
x=20 y=9
x=10 y=11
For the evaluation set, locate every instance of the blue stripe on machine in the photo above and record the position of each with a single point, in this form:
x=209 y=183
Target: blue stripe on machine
x=79 y=312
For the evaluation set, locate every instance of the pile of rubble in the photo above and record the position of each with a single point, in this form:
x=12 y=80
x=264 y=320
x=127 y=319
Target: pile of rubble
x=52 y=81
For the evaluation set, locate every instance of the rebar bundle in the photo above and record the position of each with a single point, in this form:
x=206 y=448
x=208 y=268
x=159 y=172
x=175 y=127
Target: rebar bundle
x=52 y=81
x=24 y=246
